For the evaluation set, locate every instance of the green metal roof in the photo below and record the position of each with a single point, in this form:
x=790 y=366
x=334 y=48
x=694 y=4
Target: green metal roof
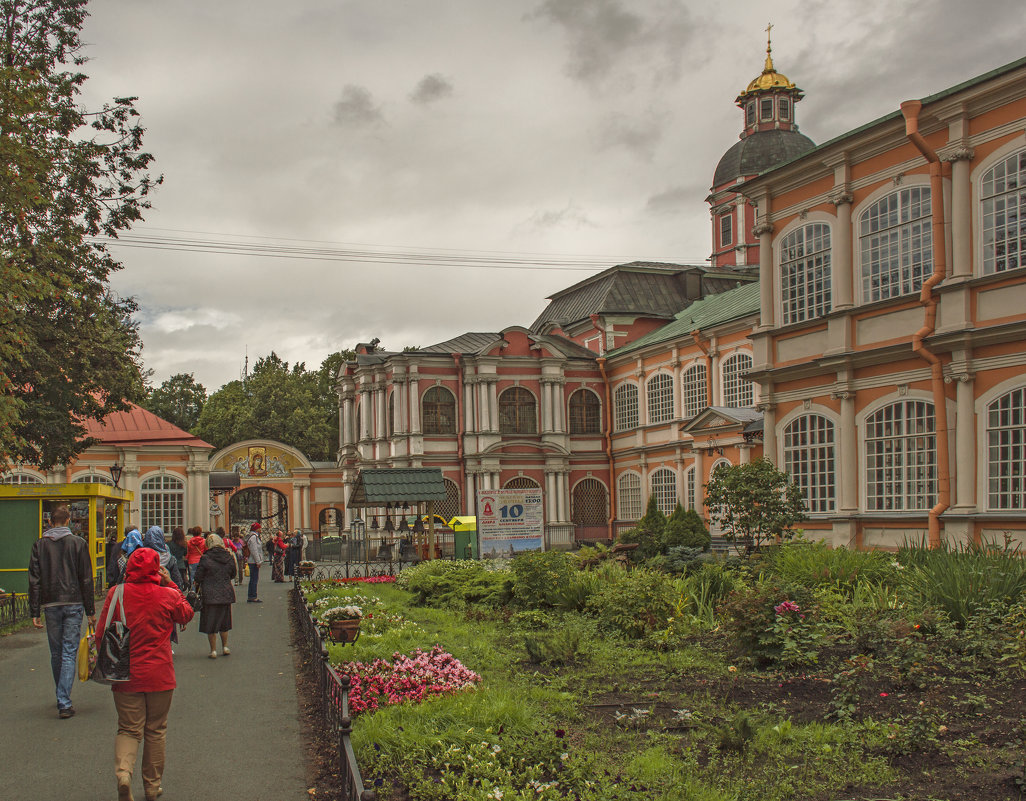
x=709 y=311
x=403 y=484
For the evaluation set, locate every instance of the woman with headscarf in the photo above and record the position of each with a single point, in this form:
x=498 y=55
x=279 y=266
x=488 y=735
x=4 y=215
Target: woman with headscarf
x=278 y=547
x=154 y=538
x=240 y=556
x=214 y=575
x=152 y=606
x=132 y=540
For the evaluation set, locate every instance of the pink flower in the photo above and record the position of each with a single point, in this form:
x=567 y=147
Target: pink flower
x=786 y=606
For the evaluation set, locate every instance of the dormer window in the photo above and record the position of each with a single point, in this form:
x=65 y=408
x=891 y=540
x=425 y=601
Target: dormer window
x=785 y=109
x=750 y=113
x=766 y=109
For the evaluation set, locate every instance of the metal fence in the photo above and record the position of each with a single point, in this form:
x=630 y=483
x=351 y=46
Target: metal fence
x=334 y=694
x=377 y=548
x=14 y=606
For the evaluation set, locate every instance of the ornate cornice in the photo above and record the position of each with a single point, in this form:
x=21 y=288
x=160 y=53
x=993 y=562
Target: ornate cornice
x=764 y=227
x=842 y=195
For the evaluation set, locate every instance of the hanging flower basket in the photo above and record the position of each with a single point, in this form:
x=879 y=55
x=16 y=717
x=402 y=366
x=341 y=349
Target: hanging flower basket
x=344 y=630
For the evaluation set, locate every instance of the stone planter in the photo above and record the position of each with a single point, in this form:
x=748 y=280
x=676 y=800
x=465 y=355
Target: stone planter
x=344 y=631
x=305 y=570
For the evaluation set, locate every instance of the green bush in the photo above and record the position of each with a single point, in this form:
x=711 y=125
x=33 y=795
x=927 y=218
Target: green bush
x=685 y=529
x=553 y=647
x=815 y=564
x=766 y=635
x=641 y=601
x=443 y=583
x=543 y=578
x=648 y=534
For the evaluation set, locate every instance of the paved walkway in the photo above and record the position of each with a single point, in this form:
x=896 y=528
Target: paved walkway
x=233 y=731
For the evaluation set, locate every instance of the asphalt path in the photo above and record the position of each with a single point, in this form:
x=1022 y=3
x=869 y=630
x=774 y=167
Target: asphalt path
x=233 y=731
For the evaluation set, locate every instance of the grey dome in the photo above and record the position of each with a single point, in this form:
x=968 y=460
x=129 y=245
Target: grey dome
x=758 y=152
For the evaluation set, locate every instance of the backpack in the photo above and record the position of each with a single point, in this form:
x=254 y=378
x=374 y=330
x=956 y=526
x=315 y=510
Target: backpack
x=245 y=550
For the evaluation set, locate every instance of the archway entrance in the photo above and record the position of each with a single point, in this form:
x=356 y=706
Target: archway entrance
x=263 y=505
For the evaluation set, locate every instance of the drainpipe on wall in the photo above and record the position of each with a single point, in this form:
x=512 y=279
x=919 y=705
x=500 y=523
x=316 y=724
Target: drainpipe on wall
x=460 y=422
x=704 y=347
x=928 y=300
x=609 y=446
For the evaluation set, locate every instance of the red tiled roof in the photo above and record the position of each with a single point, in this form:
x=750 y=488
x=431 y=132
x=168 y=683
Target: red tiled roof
x=140 y=427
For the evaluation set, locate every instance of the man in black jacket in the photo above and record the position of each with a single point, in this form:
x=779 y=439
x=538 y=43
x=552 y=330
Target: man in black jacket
x=61 y=583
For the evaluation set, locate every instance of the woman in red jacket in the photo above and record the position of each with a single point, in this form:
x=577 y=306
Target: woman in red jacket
x=153 y=605
x=196 y=546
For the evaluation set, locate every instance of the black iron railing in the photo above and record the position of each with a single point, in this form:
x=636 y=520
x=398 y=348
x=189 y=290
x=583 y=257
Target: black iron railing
x=14 y=606
x=334 y=694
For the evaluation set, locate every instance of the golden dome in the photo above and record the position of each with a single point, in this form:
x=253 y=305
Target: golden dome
x=770 y=79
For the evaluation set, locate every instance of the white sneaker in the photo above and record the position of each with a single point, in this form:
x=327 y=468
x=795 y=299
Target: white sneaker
x=226 y=651
x=213 y=654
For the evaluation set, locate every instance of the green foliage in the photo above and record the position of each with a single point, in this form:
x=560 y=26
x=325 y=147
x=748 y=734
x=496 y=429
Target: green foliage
x=640 y=602
x=736 y=733
x=963 y=580
x=543 y=578
x=754 y=503
x=69 y=350
x=554 y=647
x=442 y=582
x=685 y=529
x=682 y=560
x=179 y=400
x=648 y=533
x=815 y=564
x=768 y=636
x=292 y=405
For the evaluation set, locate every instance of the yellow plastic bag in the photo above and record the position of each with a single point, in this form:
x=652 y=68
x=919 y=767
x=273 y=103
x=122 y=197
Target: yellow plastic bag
x=86 y=655
x=246 y=572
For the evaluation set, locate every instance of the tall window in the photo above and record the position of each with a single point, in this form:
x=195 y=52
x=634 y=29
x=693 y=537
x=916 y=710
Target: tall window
x=660 y=398
x=390 y=416
x=589 y=504
x=737 y=390
x=439 y=411
x=585 y=413
x=750 y=113
x=163 y=502
x=20 y=478
x=450 y=507
x=625 y=407
x=663 y=483
x=726 y=230
x=809 y=458
x=785 y=108
x=1006 y=451
x=517 y=412
x=805 y=273
x=901 y=457
x=628 y=497
x=690 y=488
x=766 y=109
x=1004 y=214
x=695 y=393
x=93 y=478
x=894 y=238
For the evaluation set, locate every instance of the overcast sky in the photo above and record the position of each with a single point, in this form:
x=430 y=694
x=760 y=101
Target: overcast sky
x=528 y=130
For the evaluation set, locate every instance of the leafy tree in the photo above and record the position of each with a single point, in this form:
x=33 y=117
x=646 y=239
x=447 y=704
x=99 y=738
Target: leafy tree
x=68 y=348
x=178 y=400
x=754 y=503
x=226 y=417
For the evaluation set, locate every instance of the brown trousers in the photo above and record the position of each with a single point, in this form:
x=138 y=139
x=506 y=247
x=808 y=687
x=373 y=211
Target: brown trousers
x=141 y=715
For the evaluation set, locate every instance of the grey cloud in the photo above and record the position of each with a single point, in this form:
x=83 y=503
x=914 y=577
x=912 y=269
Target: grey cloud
x=571 y=216
x=674 y=200
x=431 y=88
x=605 y=38
x=357 y=108
x=640 y=135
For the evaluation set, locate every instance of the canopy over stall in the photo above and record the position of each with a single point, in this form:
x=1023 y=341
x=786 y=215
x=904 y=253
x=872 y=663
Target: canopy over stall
x=402 y=487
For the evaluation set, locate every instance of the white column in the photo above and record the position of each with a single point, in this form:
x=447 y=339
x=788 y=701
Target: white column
x=401 y=403
x=493 y=404
x=961 y=215
x=551 y=507
x=699 y=481
x=559 y=407
x=841 y=252
x=678 y=392
x=745 y=454
x=347 y=421
x=414 y=406
x=296 y=518
x=769 y=432
x=469 y=416
x=379 y=413
x=965 y=442
x=766 y=301
x=485 y=406
x=846 y=456
x=546 y=406
x=564 y=496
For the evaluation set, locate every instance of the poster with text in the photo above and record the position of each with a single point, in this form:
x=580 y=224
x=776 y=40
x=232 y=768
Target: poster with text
x=509 y=521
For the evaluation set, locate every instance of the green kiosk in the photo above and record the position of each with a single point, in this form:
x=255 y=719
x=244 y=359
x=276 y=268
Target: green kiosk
x=97 y=513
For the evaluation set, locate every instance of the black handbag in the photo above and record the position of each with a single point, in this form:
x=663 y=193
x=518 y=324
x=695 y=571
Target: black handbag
x=113 y=658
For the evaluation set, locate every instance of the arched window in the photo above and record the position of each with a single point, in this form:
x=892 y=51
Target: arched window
x=20 y=478
x=737 y=390
x=589 y=504
x=659 y=391
x=163 y=502
x=585 y=413
x=663 y=483
x=1006 y=451
x=439 y=411
x=805 y=273
x=1003 y=197
x=517 y=412
x=625 y=407
x=809 y=459
x=521 y=482
x=901 y=457
x=894 y=239
x=695 y=392
x=690 y=488
x=450 y=507
x=628 y=496
x=93 y=478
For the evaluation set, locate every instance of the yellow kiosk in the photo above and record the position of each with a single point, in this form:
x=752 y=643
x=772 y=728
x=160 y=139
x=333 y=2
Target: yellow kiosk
x=97 y=512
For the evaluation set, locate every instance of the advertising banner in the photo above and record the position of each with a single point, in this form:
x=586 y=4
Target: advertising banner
x=509 y=521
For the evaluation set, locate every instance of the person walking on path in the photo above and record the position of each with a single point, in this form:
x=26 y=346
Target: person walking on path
x=240 y=557
x=295 y=546
x=152 y=606
x=154 y=538
x=254 y=560
x=197 y=544
x=179 y=549
x=214 y=575
x=278 y=549
x=119 y=558
x=61 y=585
